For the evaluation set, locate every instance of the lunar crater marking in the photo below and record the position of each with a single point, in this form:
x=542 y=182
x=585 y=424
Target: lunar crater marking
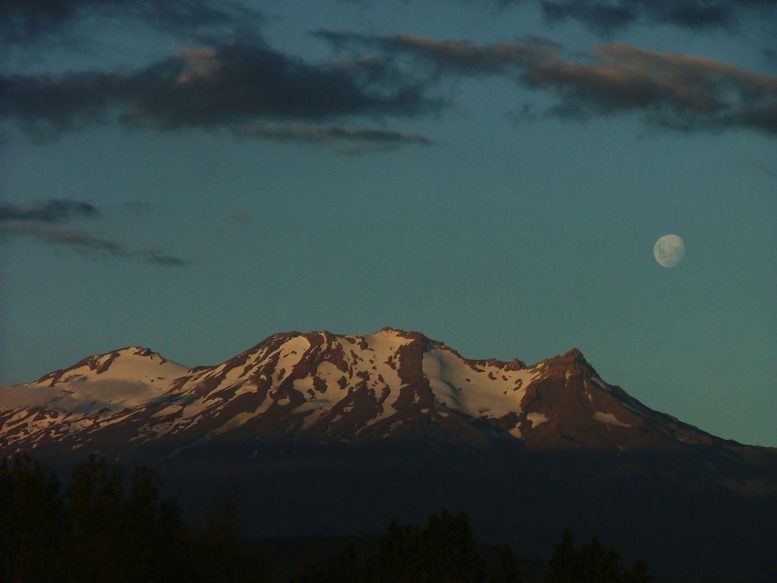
x=669 y=250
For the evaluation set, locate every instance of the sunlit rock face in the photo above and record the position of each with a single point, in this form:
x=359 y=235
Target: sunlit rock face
x=393 y=385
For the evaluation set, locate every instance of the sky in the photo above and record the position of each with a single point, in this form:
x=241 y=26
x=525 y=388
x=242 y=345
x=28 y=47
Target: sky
x=196 y=175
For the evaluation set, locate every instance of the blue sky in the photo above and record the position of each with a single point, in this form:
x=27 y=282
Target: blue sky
x=198 y=176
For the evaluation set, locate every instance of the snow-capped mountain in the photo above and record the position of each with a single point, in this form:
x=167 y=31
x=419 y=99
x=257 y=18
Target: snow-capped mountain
x=321 y=434
x=324 y=388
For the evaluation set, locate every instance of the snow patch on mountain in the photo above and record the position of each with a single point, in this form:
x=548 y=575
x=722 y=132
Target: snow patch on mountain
x=124 y=378
x=332 y=388
x=477 y=389
x=609 y=419
x=536 y=419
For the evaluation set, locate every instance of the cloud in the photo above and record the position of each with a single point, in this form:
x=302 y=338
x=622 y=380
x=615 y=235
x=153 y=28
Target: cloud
x=605 y=16
x=36 y=222
x=75 y=239
x=156 y=256
x=210 y=87
x=85 y=242
x=671 y=90
x=452 y=55
x=349 y=137
x=26 y=21
x=770 y=55
x=51 y=211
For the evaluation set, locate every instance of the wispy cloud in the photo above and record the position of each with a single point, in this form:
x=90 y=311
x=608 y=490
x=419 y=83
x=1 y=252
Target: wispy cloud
x=218 y=86
x=26 y=21
x=246 y=87
x=672 y=90
x=50 y=211
x=156 y=256
x=344 y=137
x=75 y=239
x=605 y=16
x=37 y=221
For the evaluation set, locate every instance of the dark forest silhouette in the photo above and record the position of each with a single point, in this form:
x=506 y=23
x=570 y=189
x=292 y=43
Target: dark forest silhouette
x=103 y=527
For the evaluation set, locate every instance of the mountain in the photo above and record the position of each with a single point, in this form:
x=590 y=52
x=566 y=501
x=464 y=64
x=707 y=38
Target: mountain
x=319 y=387
x=323 y=434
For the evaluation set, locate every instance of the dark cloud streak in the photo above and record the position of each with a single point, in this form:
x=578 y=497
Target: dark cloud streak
x=40 y=222
x=331 y=134
x=211 y=87
x=671 y=90
x=602 y=17
x=606 y=16
x=156 y=256
x=75 y=239
x=51 y=211
x=27 y=21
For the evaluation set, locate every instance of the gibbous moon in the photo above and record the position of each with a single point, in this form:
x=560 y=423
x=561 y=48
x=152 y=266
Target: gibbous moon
x=669 y=250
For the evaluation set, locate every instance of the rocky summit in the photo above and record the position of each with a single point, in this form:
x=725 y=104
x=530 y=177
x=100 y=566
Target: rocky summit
x=318 y=387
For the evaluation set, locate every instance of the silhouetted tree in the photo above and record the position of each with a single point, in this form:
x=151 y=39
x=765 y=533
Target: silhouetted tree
x=220 y=553
x=95 y=508
x=507 y=569
x=105 y=530
x=639 y=573
x=139 y=525
x=591 y=564
x=449 y=550
x=398 y=555
x=311 y=572
x=563 y=564
x=32 y=522
x=344 y=566
x=171 y=542
x=595 y=564
x=442 y=550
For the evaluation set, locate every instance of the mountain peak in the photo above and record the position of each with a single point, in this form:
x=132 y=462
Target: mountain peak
x=129 y=362
x=401 y=333
x=322 y=387
x=574 y=354
x=575 y=358
x=141 y=351
x=572 y=361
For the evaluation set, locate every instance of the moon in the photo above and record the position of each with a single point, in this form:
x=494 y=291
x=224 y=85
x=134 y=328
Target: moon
x=669 y=250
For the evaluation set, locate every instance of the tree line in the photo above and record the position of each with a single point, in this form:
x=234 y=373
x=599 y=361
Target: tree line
x=105 y=528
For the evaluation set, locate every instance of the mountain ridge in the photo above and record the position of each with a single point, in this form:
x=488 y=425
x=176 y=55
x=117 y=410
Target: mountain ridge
x=324 y=434
x=323 y=387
